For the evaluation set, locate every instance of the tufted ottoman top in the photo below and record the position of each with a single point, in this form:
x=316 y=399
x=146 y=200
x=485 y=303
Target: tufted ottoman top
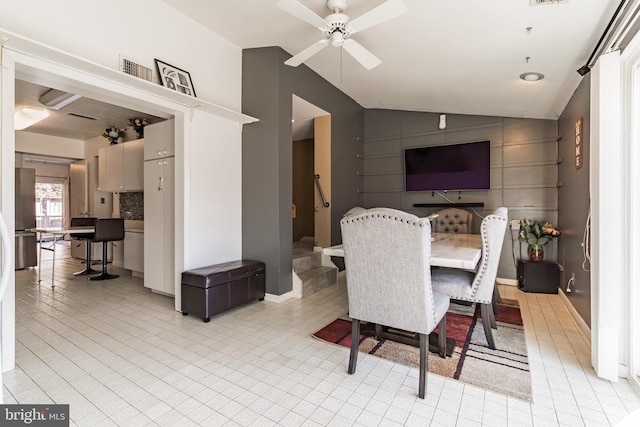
x=213 y=275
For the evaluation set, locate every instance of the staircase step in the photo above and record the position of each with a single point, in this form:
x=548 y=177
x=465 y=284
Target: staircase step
x=317 y=278
x=305 y=263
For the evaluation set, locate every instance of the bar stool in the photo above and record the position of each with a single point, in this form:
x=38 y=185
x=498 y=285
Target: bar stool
x=87 y=237
x=107 y=230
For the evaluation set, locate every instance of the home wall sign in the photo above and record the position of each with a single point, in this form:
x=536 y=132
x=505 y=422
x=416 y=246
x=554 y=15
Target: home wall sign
x=578 y=143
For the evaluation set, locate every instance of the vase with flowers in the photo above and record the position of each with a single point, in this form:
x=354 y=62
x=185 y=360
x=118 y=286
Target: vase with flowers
x=138 y=126
x=537 y=234
x=113 y=134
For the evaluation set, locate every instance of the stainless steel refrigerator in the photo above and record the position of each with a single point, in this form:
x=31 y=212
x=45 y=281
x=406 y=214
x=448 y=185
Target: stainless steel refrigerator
x=26 y=245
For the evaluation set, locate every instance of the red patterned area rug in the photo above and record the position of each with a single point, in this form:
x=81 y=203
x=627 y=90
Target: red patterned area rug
x=504 y=370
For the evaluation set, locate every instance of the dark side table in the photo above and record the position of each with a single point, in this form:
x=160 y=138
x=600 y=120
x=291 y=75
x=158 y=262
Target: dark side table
x=538 y=277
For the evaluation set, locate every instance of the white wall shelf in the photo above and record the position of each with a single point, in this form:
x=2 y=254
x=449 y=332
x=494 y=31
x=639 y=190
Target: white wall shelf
x=25 y=46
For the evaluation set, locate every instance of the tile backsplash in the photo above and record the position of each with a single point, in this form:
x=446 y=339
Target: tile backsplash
x=132 y=205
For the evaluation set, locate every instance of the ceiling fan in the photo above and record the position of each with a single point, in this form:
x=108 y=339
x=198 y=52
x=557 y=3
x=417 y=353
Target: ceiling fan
x=337 y=28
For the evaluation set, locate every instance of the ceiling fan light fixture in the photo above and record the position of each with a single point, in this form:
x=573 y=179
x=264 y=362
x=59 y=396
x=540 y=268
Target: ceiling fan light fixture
x=28 y=116
x=531 y=77
x=337 y=39
x=337 y=28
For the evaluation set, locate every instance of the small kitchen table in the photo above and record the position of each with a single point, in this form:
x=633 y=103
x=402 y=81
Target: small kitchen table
x=57 y=233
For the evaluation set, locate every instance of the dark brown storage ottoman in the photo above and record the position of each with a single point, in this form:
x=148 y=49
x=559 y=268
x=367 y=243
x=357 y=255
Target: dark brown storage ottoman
x=210 y=290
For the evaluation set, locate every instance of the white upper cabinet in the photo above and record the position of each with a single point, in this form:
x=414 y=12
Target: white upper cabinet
x=120 y=167
x=133 y=174
x=159 y=139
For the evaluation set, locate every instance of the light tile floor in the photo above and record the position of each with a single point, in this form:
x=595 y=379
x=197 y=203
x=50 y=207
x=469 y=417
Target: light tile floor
x=120 y=355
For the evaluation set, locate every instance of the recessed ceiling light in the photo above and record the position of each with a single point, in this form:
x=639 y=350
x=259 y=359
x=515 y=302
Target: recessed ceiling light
x=531 y=77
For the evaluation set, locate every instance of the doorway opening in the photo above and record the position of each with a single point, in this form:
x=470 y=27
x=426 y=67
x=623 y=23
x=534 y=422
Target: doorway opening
x=311 y=194
x=311 y=173
x=88 y=80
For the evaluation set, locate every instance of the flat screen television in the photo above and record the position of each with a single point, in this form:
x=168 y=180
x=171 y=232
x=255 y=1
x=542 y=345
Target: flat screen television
x=448 y=167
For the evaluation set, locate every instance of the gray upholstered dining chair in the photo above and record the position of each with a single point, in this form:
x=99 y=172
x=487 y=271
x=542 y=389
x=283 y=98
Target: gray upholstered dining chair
x=387 y=255
x=478 y=287
x=453 y=220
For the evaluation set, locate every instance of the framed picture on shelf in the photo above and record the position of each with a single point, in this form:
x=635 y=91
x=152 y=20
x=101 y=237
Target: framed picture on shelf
x=174 y=78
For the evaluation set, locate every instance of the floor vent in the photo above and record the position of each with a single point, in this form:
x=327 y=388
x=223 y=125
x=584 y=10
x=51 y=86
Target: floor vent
x=542 y=2
x=131 y=67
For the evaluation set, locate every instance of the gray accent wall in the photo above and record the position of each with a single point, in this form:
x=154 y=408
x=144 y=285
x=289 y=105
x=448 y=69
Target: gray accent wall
x=267 y=89
x=574 y=200
x=367 y=162
x=524 y=168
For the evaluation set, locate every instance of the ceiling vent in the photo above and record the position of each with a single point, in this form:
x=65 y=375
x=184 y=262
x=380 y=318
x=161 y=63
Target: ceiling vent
x=82 y=116
x=129 y=66
x=57 y=99
x=543 y=2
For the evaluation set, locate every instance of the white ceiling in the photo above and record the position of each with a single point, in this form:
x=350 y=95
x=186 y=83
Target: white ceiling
x=449 y=56
x=303 y=115
x=83 y=119
x=446 y=56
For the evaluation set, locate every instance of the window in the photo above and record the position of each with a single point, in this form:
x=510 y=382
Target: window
x=50 y=195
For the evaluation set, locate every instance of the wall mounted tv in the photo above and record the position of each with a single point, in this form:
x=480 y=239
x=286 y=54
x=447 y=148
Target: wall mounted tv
x=448 y=167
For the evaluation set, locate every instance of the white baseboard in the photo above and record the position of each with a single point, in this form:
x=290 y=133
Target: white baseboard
x=297 y=285
x=509 y=282
x=582 y=325
x=166 y=294
x=278 y=298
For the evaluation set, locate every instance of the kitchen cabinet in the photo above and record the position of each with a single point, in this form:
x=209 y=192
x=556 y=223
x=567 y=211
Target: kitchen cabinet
x=116 y=249
x=120 y=167
x=159 y=201
x=134 y=252
x=159 y=140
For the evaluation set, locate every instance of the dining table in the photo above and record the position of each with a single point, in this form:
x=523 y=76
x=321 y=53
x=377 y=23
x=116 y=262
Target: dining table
x=453 y=250
x=57 y=234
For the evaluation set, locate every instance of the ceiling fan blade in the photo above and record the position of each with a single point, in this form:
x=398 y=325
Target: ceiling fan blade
x=298 y=59
x=384 y=12
x=302 y=12
x=362 y=55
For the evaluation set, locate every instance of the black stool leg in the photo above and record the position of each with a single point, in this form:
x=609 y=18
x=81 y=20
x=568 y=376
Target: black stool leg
x=88 y=269
x=104 y=275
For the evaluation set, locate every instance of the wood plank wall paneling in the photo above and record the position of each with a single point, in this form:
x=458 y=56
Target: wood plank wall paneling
x=524 y=168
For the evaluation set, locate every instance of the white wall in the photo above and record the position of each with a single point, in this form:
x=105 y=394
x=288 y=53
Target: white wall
x=43 y=169
x=608 y=234
x=35 y=143
x=214 y=192
x=101 y=30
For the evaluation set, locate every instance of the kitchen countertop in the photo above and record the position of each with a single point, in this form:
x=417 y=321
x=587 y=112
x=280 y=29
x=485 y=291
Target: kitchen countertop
x=133 y=225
